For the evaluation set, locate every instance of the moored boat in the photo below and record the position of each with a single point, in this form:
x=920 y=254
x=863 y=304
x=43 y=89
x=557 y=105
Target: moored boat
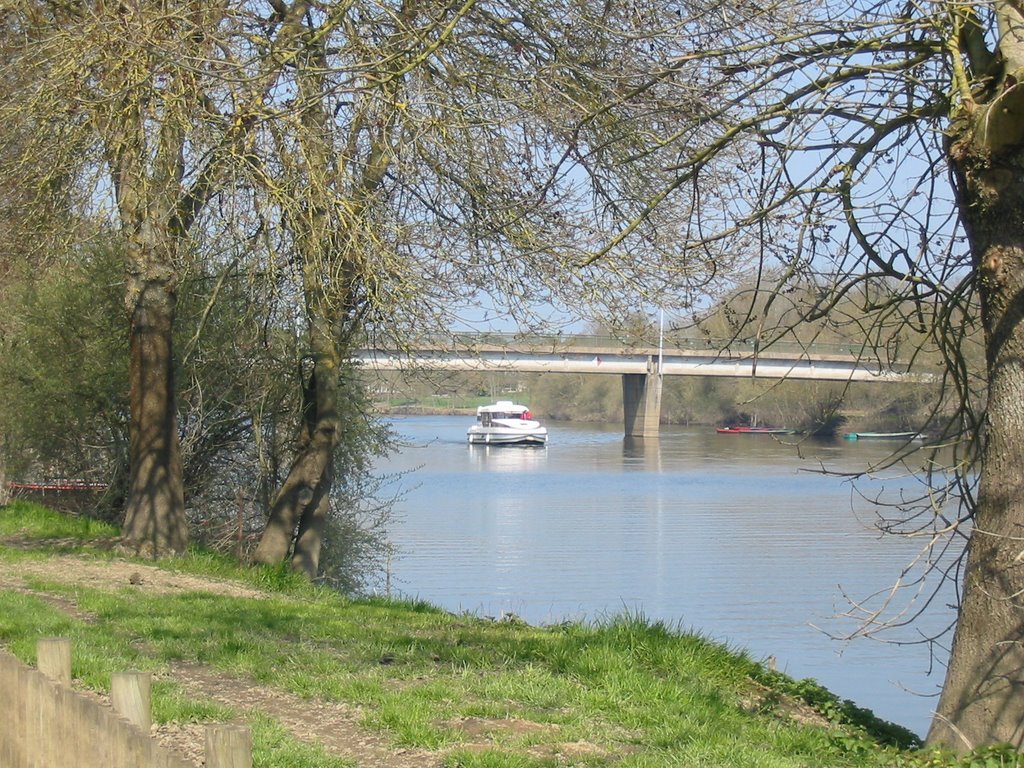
x=753 y=431
x=506 y=423
x=884 y=436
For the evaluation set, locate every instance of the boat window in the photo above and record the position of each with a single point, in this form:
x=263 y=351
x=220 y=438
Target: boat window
x=487 y=417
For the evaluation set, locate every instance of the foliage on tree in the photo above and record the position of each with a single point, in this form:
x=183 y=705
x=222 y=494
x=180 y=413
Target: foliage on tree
x=63 y=370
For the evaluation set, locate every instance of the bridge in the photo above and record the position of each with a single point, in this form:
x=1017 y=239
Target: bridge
x=640 y=364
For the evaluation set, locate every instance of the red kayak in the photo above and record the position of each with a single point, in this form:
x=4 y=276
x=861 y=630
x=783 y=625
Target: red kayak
x=753 y=431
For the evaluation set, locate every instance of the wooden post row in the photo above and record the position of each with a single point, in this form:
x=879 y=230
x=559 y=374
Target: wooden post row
x=109 y=742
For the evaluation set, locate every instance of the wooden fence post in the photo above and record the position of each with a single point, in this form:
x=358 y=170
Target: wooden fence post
x=228 y=746
x=53 y=658
x=130 y=698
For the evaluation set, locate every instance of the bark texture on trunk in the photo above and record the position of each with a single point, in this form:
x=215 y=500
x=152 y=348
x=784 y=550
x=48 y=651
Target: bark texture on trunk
x=304 y=487
x=300 y=507
x=982 y=700
x=309 y=541
x=155 y=520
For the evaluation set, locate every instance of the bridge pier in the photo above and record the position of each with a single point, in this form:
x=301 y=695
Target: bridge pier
x=641 y=404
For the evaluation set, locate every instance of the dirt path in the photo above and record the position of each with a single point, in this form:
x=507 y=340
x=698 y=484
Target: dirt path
x=333 y=725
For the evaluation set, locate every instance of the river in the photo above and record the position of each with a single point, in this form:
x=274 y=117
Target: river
x=736 y=537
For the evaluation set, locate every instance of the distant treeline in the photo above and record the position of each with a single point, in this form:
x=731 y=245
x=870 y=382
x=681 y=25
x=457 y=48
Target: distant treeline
x=805 y=405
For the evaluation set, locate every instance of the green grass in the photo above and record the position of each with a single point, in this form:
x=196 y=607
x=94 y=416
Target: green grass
x=627 y=693
x=32 y=521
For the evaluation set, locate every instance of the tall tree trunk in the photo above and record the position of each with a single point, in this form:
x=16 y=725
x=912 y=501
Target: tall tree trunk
x=306 y=490
x=310 y=538
x=300 y=489
x=155 y=512
x=982 y=701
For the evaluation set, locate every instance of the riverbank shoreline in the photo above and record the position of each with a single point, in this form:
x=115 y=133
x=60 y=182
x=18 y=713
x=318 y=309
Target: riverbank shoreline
x=405 y=684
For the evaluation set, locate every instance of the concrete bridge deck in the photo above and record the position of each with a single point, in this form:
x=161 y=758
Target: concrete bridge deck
x=596 y=354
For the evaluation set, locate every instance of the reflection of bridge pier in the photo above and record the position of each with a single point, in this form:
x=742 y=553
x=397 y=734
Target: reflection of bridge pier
x=641 y=403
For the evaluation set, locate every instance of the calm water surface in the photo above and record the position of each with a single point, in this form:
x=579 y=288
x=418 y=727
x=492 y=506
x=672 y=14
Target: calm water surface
x=725 y=534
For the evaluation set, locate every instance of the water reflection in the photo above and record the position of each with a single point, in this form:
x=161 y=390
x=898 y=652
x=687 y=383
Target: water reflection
x=727 y=534
x=507 y=458
x=639 y=452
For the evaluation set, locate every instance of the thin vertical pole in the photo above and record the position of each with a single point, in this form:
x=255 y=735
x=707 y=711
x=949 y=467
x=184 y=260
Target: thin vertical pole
x=661 y=341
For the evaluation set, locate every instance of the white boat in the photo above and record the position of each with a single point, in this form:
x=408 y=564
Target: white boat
x=506 y=423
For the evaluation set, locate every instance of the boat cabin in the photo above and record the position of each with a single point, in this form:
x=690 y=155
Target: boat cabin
x=503 y=409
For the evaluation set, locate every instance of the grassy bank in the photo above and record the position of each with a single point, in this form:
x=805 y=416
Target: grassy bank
x=428 y=687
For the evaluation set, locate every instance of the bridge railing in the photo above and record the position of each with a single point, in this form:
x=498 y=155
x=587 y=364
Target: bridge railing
x=671 y=342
